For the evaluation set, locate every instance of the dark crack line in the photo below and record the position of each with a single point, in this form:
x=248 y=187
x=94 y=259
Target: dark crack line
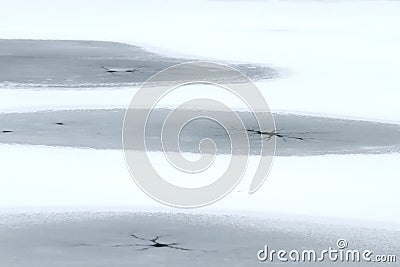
x=130 y=245
x=269 y=134
x=135 y=236
x=283 y=136
x=154 y=244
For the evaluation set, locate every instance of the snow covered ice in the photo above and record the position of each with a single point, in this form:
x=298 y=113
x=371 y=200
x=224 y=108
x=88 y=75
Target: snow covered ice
x=326 y=67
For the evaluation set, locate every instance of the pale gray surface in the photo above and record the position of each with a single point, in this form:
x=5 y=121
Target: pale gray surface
x=102 y=129
x=77 y=64
x=104 y=239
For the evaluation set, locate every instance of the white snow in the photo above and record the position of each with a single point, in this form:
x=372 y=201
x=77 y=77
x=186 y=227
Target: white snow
x=30 y=100
x=360 y=187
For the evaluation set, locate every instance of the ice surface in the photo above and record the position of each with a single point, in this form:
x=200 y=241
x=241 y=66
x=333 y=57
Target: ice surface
x=123 y=239
x=102 y=129
x=45 y=64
